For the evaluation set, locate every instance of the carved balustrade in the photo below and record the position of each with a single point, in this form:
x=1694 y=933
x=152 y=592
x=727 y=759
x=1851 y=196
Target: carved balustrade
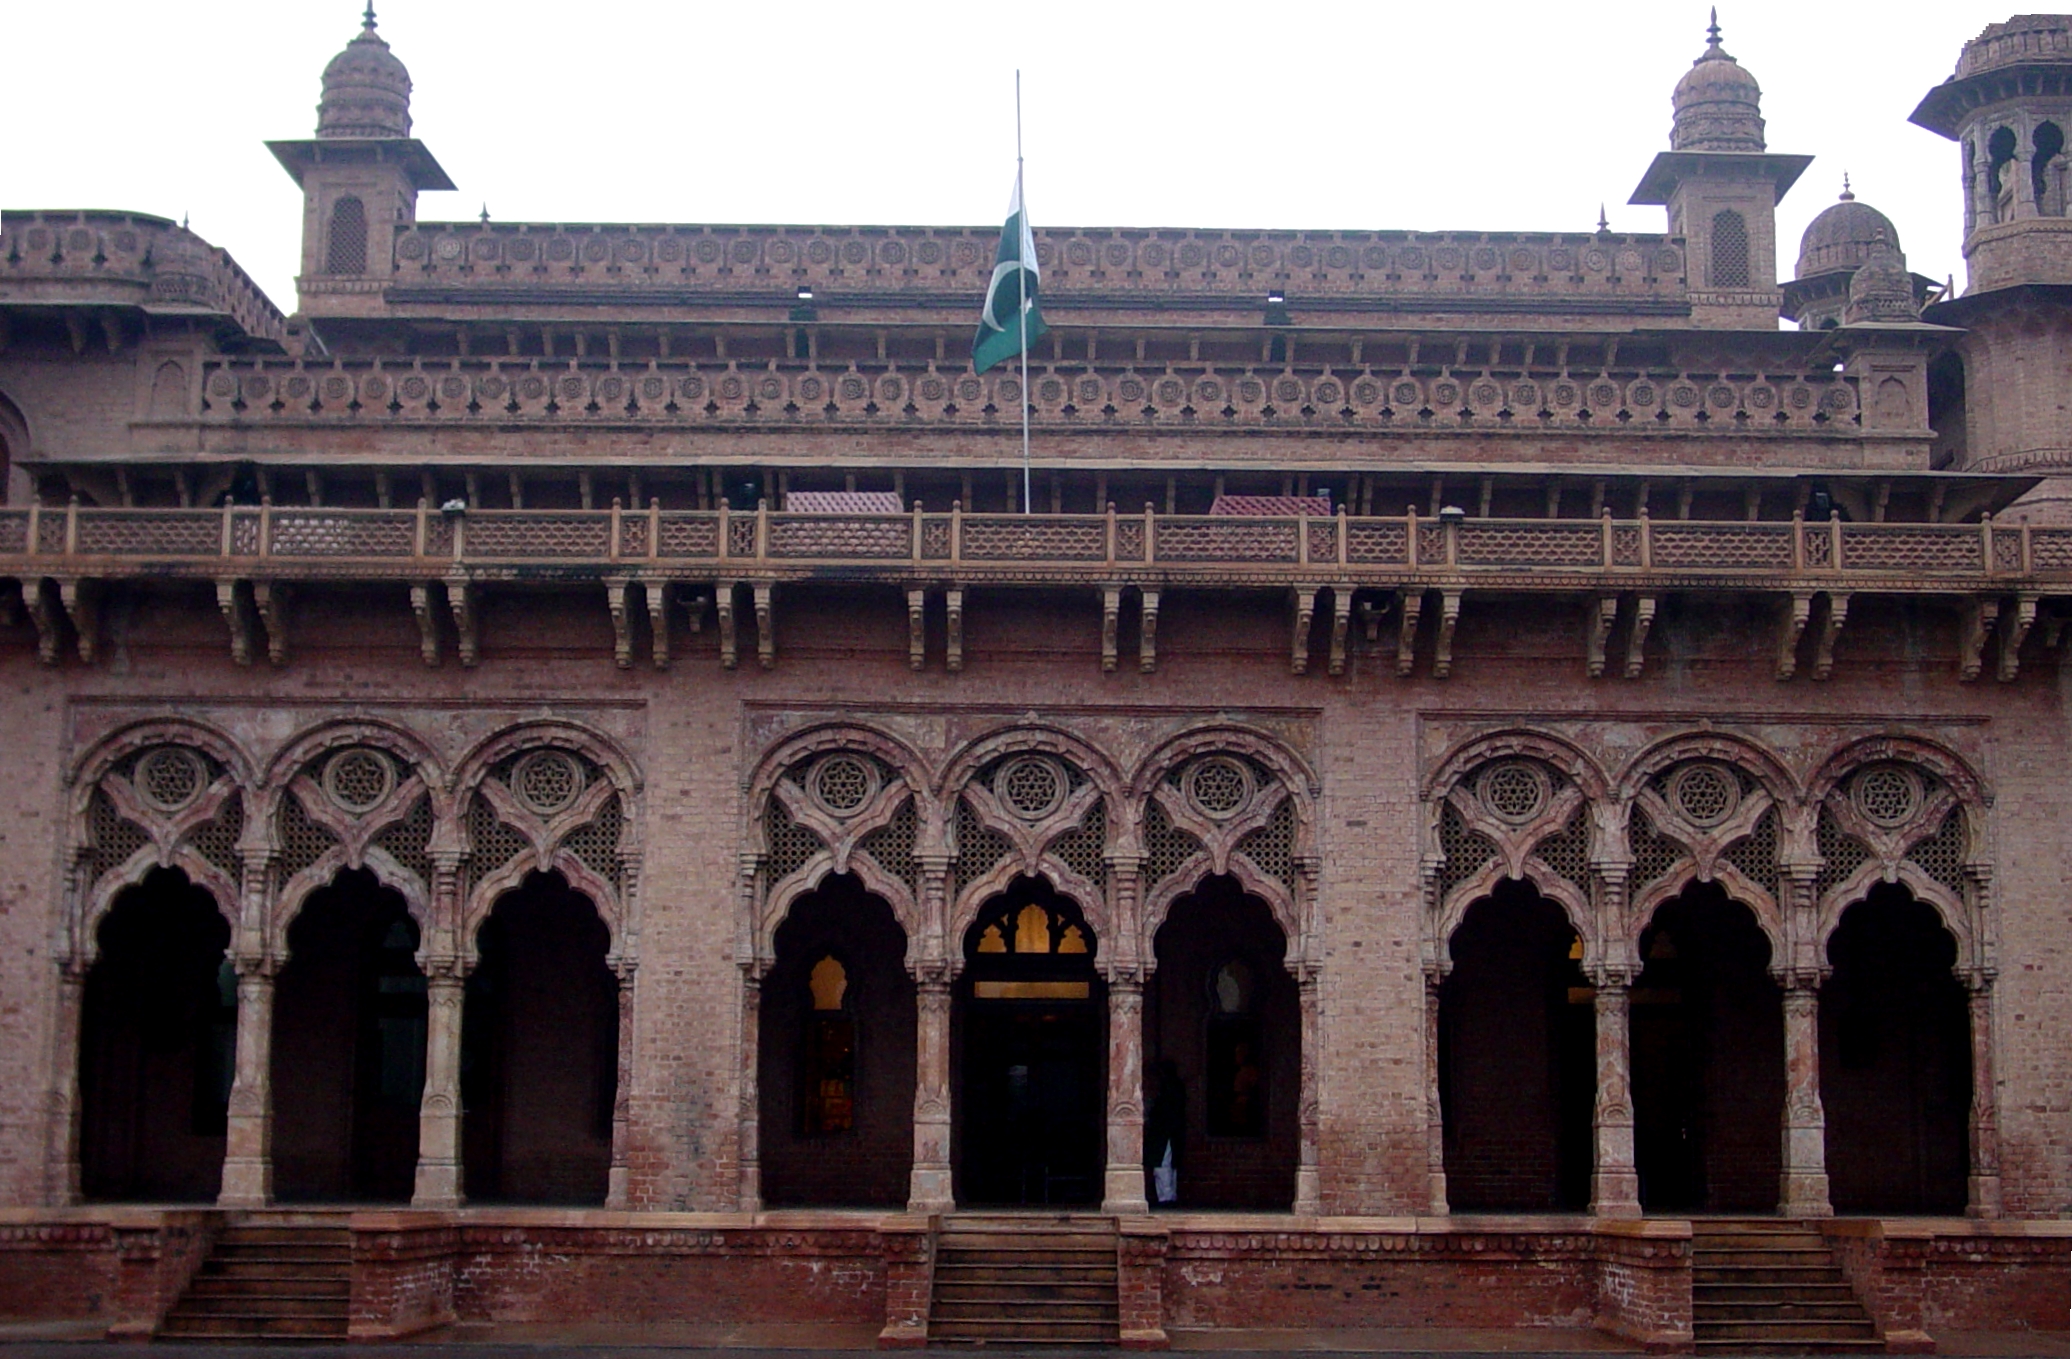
x=503 y=392
x=1622 y=270
x=303 y=542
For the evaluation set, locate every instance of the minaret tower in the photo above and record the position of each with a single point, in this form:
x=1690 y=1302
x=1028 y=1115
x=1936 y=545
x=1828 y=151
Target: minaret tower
x=360 y=178
x=1721 y=185
x=2009 y=109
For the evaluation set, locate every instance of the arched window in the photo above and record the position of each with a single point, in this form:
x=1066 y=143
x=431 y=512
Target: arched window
x=1729 y=250
x=2046 y=170
x=2000 y=154
x=346 y=252
x=828 y=1100
x=1236 y=1065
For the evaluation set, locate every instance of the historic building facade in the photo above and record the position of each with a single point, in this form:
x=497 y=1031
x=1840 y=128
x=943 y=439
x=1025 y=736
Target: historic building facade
x=1482 y=781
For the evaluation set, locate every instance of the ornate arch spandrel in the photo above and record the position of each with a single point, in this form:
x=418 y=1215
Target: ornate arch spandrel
x=1753 y=758
x=1562 y=754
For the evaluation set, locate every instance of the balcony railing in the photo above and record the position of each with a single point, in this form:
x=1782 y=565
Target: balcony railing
x=301 y=542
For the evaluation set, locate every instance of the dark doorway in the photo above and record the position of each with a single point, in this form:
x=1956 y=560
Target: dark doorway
x=1895 y=1060
x=348 y=1048
x=1708 y=1059
x=835 y=1056
x=1223 y=1052
x=540 y=1050
x=1517 y=1058
x=1030 y=1038
x=157 y=1042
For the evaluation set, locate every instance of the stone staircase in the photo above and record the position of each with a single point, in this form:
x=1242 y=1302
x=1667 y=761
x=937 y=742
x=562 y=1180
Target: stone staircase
x=1771 y=1286
x=269 y=1277
x=1024 y=1279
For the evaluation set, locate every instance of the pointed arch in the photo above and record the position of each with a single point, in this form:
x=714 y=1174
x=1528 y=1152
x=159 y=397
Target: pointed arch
x=1516 y=742
x=1750 y=756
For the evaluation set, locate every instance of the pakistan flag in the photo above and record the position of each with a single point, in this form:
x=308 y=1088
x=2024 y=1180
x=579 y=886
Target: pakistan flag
x=1010 y=320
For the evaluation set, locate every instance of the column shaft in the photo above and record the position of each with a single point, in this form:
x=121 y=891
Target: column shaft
x=1983 y=1195
x=750 y=1187
x=62 y=1166
x=1614 y=1183
x=438 y=1119
x=1803 y=1192
x=618 y=1188
x=930 y=1187
x=1435 y=1115
x=248 y=1134
x=1123 y=1190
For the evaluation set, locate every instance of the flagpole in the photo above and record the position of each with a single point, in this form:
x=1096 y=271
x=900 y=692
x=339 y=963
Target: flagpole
x=1022 y=290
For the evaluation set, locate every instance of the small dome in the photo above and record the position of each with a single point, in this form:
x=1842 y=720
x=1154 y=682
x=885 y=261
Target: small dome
x=366 y=90
x=1718 y=104
x=1841 y=236
x=1882 y=290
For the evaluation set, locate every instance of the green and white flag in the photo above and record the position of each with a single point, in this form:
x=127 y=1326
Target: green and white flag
x=1010 y=321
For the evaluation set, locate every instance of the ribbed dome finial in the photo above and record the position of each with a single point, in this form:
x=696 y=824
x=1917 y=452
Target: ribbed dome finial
x=1718 y=104
x=366 y=90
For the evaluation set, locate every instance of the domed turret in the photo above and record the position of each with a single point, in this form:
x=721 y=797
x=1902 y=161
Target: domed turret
x=366 y=90
x=1841 y=237
x=1718 y=104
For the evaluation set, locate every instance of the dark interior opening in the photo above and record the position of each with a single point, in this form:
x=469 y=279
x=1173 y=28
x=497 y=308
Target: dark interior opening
x=348 y=1047
x=157 y=1046
x=540 y=1050
x=835 y=1056
x=1895 y=1060
x=1223 y=1052
x=1707 y=1059
x=1029 y=1036
x=1517 y=1058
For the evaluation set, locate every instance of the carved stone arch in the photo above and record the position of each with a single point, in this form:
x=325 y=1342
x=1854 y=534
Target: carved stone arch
x=1031 y=738
x=309 y=746
x=295 y=893
x=1946 y=764
x=101 y=895
x=1747 y=755
x=164 y=838
x=782 y=896
x=971 y=896
x=1290 y=769
x=545 y=841
x=1760 y=902
x=1514 y=743
x=1575 y=907
x=1280 y=902
x=1953 y=911
x=825 y=739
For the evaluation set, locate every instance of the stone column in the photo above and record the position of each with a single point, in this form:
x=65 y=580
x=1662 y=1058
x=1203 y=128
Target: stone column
x=1123 y=1189
x=1309 y=1188
x=1983 y=1196
x=439 y=1113
x=1803 y=1192
x=749 y=1191
x=930 y=1188
x=1614 y=1182
x=61 y=1166
x=1435 y=1114
x=618 y=1188
x=248 y=1133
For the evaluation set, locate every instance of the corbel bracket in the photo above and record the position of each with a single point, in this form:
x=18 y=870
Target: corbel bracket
x=427 y=614
x=618 y=592
x=729 y=637
x=660 y=594
x=1978 y=619
x=1449 y=616
x=1298 y=644
x=1791 y=625
x=765 y=627
x=1147 y=631
x=2013 y=632
x=1597 y=629
x=270 y=597
x=917 y=628
x=1111 y=618
x=1341 y=624
x=82 y=600
x=953 y=608
x=460 y=598
x=1831 y=625
x=230 y=601
x=1409 y=609
x=1637 y=635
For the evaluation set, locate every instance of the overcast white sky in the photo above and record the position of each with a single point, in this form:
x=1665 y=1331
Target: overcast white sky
x=1342 y=115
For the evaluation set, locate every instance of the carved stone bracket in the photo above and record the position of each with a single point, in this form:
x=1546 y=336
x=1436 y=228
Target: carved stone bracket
x=618 y=594
x=917 y=628
x=765 y=627
x=82 y=600
x=43 y=612
x=270 y=598
x=953 y=602
x=1637 y=635
x=1831 y=625
x=1603 y=612
x=460 y=598
x=1791 y=625
x=1449 y=617
x=427 y=614
x=729 y=638
x=1409 y=608
x=2014 y=630
x=1147 y=631
x=1111 y=617
x=1979 y=617
x=1341 y=624
x=658 y=600
x=230 y=601
x=1298 y=645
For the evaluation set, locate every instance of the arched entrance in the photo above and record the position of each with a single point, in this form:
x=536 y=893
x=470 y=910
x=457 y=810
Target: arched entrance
x=1031 y=1047
x=1895 y=1060
x=1517 y=1058
x=348 y=1047
x=835 y=1054
x=157 y=1042
x=540 y=1050
x=1223 y=1052
x=1707 y=1059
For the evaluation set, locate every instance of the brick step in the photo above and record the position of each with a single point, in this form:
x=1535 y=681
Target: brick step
x=1777 y=1309
x=1766 y=1241
x=1001 y=1330
x=1023 y=1255
x=253 y=1328
x=341 y=1256
x=1872 y=1346
x=1741 y=1292
x=260 y=1271
x=1021 y=1245
x=301 y=1302
x=1024 y=1309
x=1789 y=1276
x=1025 y=1260
x=1779 y=1329
x=979 y=1291
x=329 y=1236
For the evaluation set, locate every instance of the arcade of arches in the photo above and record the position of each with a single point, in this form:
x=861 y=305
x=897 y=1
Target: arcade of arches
x=1669 y=1014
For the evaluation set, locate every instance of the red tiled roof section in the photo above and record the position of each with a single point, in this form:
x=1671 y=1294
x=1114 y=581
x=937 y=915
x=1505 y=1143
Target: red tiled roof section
x=843 y=502
x=1271 y=504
